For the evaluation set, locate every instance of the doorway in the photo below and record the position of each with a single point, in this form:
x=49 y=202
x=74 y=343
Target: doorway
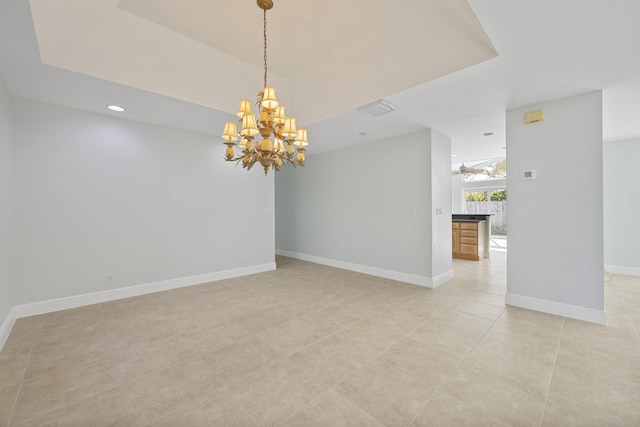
x=493 y=201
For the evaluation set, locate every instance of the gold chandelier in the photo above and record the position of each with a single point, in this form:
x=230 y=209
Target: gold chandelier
x=271 y=122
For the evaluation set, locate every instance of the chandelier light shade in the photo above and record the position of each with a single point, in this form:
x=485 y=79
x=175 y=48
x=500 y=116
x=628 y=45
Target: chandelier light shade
x=278 y=132
x=249 y=127
x=245 y=108
x=230 y=132
x=289 y=128
x=301 y=138
x=269 y=100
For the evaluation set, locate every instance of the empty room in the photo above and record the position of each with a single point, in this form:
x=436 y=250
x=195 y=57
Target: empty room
x=288 y=213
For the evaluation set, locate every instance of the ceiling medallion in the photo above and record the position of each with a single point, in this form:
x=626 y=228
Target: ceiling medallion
x=271 y=123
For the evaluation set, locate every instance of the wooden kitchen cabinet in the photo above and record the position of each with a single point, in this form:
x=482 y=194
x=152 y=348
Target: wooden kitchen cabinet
x=455 y=238
x=468 y=240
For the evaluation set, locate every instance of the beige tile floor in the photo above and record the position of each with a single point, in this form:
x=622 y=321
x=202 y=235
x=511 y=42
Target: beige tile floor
x=309 y=345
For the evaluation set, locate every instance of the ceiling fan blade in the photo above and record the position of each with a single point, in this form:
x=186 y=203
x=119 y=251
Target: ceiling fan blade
x=474 y=171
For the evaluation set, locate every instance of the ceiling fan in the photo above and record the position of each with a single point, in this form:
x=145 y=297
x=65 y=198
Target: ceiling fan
x=467 y=171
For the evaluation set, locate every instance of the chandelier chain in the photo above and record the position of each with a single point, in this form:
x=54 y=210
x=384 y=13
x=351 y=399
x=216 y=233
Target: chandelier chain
x=265 y=47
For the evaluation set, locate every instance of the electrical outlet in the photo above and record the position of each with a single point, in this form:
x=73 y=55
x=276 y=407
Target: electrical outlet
x=109 y=279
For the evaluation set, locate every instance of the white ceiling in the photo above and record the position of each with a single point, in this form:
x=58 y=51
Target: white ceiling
x=431 y=59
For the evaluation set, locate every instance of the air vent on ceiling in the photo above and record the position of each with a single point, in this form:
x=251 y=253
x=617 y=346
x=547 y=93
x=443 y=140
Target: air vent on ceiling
x=378 y=108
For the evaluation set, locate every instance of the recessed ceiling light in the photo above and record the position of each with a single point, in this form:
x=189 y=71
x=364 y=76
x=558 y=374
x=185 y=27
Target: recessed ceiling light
x=115 y=108
x=487 y=134
x=453 y=155
x=362 y=133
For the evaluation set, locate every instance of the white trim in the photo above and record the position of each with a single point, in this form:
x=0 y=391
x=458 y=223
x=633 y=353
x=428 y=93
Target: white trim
x=627 y=271
x=442 y=278
x=373 y=271
x=557 y=308
x=7 y=325
x=49 y=306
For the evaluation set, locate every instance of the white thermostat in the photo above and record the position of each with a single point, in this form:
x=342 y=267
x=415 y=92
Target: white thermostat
x=529 y=174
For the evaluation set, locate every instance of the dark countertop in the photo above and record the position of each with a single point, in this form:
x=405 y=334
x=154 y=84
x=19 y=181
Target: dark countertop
x=469 y=217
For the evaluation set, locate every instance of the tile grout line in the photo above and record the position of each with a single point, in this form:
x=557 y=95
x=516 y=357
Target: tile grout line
x=471 y=351
x=301 y=408
x=342 y=328
x=15 y=401
x=385 y=350
x=124 y=385
x=553 y=371
x=126 y=398
x=436 y=391
x=121 y=387
x=633 y=321
x=237 y=399
x=331 y=387
x=439 y=388
x=121 y=380
x=111 y=355
x=360 y=367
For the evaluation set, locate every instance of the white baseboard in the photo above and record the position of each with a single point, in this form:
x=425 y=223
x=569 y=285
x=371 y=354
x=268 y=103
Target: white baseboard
x=627 y=271
x=428 y=282
x=49 y=306
x=442 y=278
x=6 y=326
x=557 y=308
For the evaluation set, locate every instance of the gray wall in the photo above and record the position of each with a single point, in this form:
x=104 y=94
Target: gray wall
x=556 y=221
x=7 y=249
x=457 y=198
x=98 y=195
x=440 y=191
x=622 y=205
x=366 y=205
